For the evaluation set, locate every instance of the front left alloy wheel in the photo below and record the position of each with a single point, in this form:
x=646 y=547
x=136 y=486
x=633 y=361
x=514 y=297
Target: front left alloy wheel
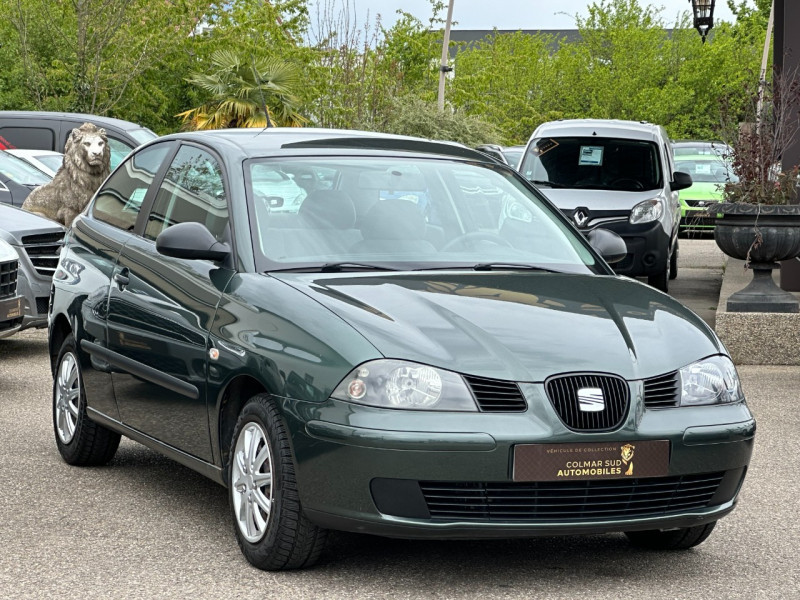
x=271 y=529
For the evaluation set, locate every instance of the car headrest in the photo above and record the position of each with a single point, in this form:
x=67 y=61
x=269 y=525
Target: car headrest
x=393 y=220
x=328 y=209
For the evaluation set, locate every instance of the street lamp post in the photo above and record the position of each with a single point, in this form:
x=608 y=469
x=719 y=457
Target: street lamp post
x=703 y=16
x=444 y=68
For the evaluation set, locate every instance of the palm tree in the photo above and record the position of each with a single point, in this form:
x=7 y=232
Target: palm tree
x=241 y=89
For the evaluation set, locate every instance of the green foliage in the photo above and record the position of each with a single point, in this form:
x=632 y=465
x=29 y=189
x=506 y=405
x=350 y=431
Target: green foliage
x=411 y=116
x=241 y=89
x=143 y=60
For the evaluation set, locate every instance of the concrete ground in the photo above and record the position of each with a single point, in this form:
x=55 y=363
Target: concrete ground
x=145 y=527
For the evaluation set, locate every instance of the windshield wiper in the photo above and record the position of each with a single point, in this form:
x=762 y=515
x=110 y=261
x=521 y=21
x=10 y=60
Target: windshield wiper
x=335 y=267
x=551 y=184
x=502 y=266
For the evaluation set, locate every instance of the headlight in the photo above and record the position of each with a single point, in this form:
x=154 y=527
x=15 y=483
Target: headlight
x=401 y=384
x=647 y=211
x=710 y=381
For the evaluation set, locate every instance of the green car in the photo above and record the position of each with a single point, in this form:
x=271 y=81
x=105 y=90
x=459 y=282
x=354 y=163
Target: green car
x=710 y=170
x=423 y=346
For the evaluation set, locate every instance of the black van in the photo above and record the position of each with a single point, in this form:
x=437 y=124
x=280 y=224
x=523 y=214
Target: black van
x=49 y=131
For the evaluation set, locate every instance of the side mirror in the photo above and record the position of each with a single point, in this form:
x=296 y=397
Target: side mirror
x=680 y=181
x=191 y=240
x=607 y=244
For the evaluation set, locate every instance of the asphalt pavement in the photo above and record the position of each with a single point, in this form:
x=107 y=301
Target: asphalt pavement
x=145 y=527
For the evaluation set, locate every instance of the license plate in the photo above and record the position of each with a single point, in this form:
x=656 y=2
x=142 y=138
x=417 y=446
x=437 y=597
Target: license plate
x=10 y=308
x=603 y=460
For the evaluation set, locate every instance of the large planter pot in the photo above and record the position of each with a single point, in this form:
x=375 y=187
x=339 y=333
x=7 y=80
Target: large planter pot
x=761 y=235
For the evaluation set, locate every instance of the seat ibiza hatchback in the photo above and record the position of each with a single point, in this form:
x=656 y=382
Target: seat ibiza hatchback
x=421 y=346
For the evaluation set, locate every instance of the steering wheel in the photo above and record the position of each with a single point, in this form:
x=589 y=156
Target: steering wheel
x=476 y=236
x=627 y=183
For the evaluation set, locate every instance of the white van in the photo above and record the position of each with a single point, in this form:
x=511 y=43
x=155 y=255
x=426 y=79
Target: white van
x=618 y=175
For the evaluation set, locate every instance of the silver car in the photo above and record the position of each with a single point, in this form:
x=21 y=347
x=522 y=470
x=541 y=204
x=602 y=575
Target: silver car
x=37 y=241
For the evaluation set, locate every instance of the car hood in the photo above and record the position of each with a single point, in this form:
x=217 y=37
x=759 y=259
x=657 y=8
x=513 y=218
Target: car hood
x=16 y=223
x=567 y=199
x=702 y=190
x=521 y=327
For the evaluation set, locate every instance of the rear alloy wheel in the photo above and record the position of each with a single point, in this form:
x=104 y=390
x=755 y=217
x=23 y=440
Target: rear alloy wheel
x=268 y=520
x=81 y=441
x=671 y=539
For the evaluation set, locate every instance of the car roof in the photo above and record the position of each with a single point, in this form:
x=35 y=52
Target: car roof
x=62 y=116
x=273 y=140
x=641 y=130
x=32 y=152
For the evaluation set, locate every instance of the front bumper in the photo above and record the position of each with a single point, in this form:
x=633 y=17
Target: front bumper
x=696 y=215
x=648 y=248
x=451 y=475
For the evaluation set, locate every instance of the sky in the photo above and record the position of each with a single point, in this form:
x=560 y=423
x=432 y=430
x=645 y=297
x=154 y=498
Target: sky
x=511 y=14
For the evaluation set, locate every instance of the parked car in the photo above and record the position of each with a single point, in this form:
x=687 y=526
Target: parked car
x=38 y=243
x=10 y=300
x=428 y=349
x=493 y=150
x=41 y=130
x=48 y=161
x=18 y=178
x=709 y=165
x=513 y=154
x=618 y=175
x=509 y=155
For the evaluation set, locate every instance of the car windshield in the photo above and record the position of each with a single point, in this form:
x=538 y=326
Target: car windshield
x=407 y=213
x=142 y=135
x=21 y=171
x=53 y=161
x=706 y=168
x=593 y=163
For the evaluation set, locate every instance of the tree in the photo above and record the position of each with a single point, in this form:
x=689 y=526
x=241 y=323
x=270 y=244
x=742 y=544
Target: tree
x=241 y=89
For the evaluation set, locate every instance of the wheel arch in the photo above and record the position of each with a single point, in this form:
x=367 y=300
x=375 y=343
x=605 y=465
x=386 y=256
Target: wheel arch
x=59 y=331
x=234 y=396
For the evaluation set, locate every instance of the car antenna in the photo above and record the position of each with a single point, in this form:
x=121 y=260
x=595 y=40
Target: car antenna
x=261 y=92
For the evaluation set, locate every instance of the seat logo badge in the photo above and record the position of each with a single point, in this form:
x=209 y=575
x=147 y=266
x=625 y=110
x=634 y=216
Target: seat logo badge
x=591 y=400
x=580 y=216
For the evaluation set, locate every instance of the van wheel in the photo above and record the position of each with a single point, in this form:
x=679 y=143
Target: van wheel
x=81 y=441
x=660 y=280
x=271 y=529
x=673 y=261
x=671 y=539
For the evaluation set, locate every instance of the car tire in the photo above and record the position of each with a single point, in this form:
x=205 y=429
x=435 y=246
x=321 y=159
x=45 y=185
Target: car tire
x=660 y=280
x=671 y=539
x=673 y=261
x=81 y=441
x=271 y=529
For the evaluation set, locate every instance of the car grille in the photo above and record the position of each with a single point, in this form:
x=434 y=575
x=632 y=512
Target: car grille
x=43 y=250
x=553 y=501
x=563 y=394
x=496 y=396
x=8 y=278
x=700 y=203
x=662 y=391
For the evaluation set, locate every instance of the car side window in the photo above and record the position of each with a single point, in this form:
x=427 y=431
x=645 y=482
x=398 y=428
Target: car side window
x=120 y=199
x=192 y=191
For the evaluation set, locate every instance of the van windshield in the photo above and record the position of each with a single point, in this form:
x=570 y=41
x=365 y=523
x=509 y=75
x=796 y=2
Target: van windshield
x=593 y=163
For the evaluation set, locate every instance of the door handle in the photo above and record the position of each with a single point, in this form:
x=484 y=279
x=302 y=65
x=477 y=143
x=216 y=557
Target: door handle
x=122 y=279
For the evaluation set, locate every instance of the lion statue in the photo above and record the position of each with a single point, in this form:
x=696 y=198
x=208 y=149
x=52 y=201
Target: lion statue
x=87 y=162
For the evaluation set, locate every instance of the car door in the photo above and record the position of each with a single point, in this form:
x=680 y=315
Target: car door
x=89 y=259
x=162 y=308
